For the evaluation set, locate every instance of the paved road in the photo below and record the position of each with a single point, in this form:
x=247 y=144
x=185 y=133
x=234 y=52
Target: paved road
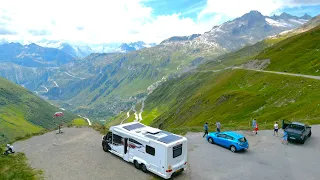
x=283 y=73
x=77 y=155
x=266 y=159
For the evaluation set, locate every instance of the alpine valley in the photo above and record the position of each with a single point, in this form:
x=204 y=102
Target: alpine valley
x=103 y=81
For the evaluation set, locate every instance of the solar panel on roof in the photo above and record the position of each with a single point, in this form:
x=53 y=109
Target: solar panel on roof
x=133 y=126
x=170 y=138
x=151 y=137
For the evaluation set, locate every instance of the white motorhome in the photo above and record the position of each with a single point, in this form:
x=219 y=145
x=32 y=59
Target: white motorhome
x=148 y=148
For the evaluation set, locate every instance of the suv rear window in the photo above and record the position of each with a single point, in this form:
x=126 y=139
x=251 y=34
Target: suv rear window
x=243 y=139
x=177 y=151
x=296 y=126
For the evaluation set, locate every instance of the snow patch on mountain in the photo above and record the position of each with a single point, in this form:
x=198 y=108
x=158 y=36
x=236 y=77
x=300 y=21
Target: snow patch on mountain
x=276 y=23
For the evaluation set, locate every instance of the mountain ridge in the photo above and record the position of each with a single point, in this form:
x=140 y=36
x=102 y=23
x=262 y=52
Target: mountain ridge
x=247 y=29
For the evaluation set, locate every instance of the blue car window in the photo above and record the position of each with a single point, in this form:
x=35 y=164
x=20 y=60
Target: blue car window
x=221 y=135
x=229 y=137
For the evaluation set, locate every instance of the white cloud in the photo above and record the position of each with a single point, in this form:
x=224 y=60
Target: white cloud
x=105 y=21
x=100 y=21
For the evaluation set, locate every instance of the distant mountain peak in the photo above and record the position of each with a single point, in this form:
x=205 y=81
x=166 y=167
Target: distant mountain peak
x=285 y=15
x=306 y=16
x=180 y=38
x=252 y=16
x=133 y=46
x=255 y=12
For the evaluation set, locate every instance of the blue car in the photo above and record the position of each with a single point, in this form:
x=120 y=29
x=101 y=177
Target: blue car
x=231 y=140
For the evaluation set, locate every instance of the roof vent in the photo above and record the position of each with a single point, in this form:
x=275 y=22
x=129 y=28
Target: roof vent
x=151 y=130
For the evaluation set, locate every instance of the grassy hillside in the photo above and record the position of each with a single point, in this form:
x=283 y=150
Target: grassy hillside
x=22 y=113
x=117 y=81
x=16 y=167
x=241 y=56
x=297 y=54
x=233 y=97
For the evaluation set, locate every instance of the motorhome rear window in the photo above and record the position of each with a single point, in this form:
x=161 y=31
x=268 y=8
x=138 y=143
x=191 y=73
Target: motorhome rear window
x=169 y=139
x=177 y=151
x=133 y=127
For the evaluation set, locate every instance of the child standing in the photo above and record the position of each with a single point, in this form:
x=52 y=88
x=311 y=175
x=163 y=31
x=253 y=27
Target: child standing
x=256 y=128
x=285 y=137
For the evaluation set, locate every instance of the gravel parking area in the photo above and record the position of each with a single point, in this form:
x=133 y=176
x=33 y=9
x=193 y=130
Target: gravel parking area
x=77 y=155
x=266 y=158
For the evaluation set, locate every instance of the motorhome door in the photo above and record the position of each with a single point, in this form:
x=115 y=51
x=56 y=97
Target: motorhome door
x=126 y=149
x=117 y=144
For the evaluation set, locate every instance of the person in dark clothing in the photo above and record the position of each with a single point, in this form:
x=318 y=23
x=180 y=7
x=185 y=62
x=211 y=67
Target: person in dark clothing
x=205 y=129
x=218 y=126
x=9 y=149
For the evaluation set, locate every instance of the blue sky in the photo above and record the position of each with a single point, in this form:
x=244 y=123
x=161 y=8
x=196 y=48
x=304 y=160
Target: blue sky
x=192 y=8
x=116 y=21
x=188 y=8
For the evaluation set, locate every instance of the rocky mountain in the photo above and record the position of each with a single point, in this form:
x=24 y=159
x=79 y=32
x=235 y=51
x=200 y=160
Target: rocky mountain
x=247 y=29
x=180 y=38
x=32 y=55
x=134 y=46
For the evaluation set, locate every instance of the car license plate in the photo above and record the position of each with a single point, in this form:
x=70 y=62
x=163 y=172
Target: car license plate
x=292 y=138
x=177 y=171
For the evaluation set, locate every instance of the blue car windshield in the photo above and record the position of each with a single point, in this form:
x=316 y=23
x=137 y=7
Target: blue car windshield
x=243 y=139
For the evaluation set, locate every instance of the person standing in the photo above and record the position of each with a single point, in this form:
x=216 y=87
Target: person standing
x=256 y=128
x=254 y=122
x=218 y=126
x=285 y=137
x=276 y=129
x=205 y=129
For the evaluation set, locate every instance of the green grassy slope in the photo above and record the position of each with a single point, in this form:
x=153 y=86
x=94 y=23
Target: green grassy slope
x=241 y=56
x=233 y=97
x=297 y=54
x=16 y=167
x=21 y=112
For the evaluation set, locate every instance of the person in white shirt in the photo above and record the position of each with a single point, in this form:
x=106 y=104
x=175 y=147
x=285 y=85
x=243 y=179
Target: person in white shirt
x=276 y=128
x=9 y=149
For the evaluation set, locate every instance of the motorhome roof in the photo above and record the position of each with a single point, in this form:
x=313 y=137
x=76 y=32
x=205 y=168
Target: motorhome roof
x=149 y=133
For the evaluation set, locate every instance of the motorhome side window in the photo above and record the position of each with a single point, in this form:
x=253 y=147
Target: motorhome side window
x=134 y=141
x=116 y=139
x=177 y=150
x=150 y=150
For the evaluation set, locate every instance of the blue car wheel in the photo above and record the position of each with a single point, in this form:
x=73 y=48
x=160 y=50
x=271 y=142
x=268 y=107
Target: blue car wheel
x=233 y=148
x=210 y=140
